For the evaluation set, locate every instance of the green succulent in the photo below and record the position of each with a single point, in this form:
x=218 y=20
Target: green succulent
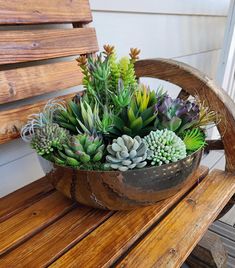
x=138 y=118
x=127 y=153
x=48 y=138
x=194 y=139
x=81 y=151
x=166 y=147
x=80 y=117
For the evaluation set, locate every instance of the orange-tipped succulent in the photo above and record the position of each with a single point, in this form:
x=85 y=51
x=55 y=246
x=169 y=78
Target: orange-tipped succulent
x=108 y=49
x=82 y=60
x=134 y=54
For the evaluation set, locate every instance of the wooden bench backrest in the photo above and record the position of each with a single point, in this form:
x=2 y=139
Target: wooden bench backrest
x=19 y=46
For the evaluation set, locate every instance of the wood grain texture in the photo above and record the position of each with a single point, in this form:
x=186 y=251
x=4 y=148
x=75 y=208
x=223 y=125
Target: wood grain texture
x=46 y=246
x=44 y=11
x=172 y=240
x=24 y=197
x=108 y=242
x=196 y=83
x=31 y=220
x=13 y=120
x=23 y=46
x=27 y=82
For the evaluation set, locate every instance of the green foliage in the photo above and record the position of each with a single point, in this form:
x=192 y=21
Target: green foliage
x=48 y=138
x=82 y=151
x=138 y=118
x=126 y=153
x=81 y=117
x=166 y=147
x=194 y=139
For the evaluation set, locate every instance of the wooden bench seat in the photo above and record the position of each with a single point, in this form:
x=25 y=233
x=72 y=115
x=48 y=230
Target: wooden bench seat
x=43 y=228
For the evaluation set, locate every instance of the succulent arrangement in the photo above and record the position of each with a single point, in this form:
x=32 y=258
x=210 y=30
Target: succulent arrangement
x=117 y=123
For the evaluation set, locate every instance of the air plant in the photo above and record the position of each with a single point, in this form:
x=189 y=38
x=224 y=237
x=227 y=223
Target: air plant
x=37 y=121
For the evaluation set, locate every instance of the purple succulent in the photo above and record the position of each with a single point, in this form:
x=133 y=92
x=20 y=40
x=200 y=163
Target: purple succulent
x=176 y=114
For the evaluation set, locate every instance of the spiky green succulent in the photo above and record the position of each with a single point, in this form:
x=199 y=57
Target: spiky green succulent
x=80 y=117
x=138 y=118
x=166 y=147
x=194 y=139
x=48 y=138
x=81 y=151
x=127 y=153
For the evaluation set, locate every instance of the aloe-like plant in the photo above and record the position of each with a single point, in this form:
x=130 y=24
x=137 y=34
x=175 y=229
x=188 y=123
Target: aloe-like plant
x=139 y=117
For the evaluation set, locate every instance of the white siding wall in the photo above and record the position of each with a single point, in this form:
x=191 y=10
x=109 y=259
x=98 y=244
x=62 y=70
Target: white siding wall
x=186 y=30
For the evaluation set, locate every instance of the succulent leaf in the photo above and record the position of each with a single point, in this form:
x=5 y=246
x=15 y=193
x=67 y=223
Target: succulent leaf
x=126 y=154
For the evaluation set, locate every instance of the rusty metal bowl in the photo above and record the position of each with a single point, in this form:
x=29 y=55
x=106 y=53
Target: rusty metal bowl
x=115 y=190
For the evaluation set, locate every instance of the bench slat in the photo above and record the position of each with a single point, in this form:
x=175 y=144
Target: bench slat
x=46 y=246
x=170 y=242
x=44 y=11
x=27 y=82
x=31 y=220
x=23 y=46
x=13 y=120
x=24 y=197
x=117 y=234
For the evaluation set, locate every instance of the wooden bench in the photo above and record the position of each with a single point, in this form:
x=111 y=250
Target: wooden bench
x=38 y=226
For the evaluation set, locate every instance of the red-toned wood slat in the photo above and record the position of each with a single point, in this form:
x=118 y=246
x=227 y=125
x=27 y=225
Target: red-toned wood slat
x=31 y=220
x=108 y=242
x=45 y=247
x=27 y=82
x=24 y=197
x=173 y=239
x=13 y=120
x=44 y=11
x=23 y=46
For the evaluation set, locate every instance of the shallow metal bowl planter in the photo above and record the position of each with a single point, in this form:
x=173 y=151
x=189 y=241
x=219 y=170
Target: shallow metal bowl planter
x=115 y=190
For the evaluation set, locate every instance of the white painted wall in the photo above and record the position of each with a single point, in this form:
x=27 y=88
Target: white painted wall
x=186 y=30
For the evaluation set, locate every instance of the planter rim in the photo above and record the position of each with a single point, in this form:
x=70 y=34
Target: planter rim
x=200 y=150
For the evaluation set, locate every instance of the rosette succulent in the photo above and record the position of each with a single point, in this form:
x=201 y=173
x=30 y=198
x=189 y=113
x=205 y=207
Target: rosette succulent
x=48 y=138
x=166 y=147
x=176 y=115
x=81 y=151
x=127 y=153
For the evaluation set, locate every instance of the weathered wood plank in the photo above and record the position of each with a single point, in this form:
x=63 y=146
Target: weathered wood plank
x=46 y=246
x=172 y=240
x=13 y=120
x=44 y=11
x=209 y=252
x=108 y=242
x=23 y=46
x=31 y=220
x=24 y=197
x=27 y=82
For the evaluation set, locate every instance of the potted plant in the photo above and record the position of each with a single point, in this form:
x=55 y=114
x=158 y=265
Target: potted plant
x=118 y=145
